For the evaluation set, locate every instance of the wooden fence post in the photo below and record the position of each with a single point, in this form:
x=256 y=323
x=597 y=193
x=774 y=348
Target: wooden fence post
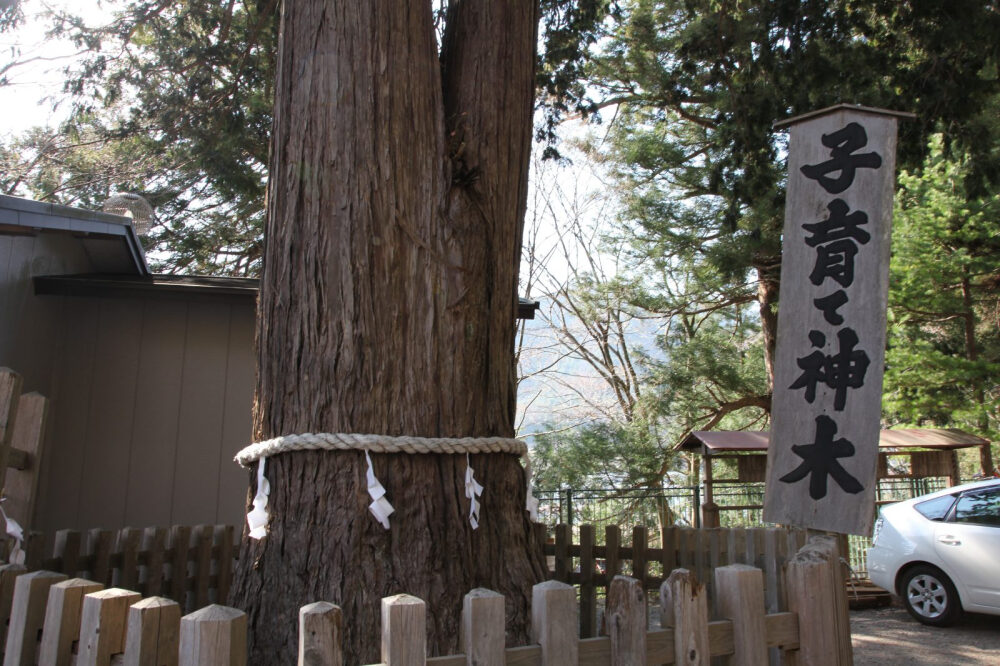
x=215 y=635
x=205 y=536
x=154 y=542
x=99 y=545
x=102 y=627
x=626 y=616
x=482 y=629
x=640 y=541
x=153 y=634
x=321 y=632
x=8 y=577
x=554 y=623
x=564 y=561
x=67 y=551
x=224 y=563
x=684 y=609
x=62 y=620
x=129 y=540
x=180 y=541
x=10 y=393
x=588 y=591
x=813 y=581
x=404 y=631
x=740 y=590
x=612 y=551
x=31 y=591
x=21 y=484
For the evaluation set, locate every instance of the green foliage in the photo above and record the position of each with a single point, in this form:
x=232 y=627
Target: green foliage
x=710 y=375
x=943 y=359
x=606 y=454
x=173 y=102
x=695 y=86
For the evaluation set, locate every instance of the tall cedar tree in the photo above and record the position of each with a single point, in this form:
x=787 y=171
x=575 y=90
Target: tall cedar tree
x=396 y=198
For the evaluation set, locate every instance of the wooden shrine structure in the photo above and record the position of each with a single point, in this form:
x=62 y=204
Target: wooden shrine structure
x=919 y=452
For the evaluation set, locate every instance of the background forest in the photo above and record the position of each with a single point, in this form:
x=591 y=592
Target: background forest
x=653 y=238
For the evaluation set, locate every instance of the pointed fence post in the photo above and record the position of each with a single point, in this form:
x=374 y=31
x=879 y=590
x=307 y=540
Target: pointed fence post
x=482 y=630
x=321 y=626
x=554 y=622
x=404 y=631
x=102 y=626
x=813 y=581
x=62 y=620
x=31 y=592
x=627 y=620
x=684 y=609
x=214 y=635
x=740 y=599
x=153 y=634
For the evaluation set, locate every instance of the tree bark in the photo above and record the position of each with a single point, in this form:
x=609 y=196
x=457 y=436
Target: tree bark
x=397 y=191
x=767 y=301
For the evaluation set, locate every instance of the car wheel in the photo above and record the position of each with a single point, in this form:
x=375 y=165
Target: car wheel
x=930 y=596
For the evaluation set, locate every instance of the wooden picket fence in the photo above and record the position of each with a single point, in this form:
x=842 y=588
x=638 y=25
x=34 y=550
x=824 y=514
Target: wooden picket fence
x=191 y=565
x=53 y=614
x=593 y=567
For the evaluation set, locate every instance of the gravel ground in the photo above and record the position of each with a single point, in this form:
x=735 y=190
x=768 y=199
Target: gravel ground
x=889 y=636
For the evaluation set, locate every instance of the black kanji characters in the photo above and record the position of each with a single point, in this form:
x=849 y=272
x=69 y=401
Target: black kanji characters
x=841 y=371
x=819 y=461
x=830 y=304
x=842 y=144
x=835 y=240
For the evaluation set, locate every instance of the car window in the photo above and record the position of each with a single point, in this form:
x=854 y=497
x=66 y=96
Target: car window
x=979 y=506
x=937 y=508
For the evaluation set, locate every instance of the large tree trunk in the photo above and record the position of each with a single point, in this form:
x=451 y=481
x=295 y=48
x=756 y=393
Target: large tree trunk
x=396 y=199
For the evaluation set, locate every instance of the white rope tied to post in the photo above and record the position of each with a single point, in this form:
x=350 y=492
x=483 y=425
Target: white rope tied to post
x=380 y=506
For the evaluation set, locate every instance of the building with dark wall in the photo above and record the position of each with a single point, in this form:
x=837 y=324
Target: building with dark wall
x=150 y=378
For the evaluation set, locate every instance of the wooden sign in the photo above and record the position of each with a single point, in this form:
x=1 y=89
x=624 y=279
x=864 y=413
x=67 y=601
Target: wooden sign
x=831 y=320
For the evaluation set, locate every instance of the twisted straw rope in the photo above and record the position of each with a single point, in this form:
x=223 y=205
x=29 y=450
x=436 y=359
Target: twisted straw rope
x=378 y=444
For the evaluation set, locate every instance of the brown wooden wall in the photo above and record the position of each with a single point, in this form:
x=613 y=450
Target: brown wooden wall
x=151 y=396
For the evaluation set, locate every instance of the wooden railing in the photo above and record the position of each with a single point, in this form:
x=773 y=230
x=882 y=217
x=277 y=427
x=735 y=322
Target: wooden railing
x=57 y=621
x=191 y=565
x=592 y=567
x=22 y=433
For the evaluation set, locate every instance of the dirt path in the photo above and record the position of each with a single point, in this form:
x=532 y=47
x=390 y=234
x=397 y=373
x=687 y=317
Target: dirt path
x=890 y=637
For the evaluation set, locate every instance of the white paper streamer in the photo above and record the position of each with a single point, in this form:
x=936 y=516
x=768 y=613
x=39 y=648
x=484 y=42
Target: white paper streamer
x=16 y=532
x=472 y=490
x=530 y=503
x=257 y=518
x=380 y=506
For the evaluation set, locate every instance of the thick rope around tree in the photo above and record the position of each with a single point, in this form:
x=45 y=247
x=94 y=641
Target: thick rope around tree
x=378 y=444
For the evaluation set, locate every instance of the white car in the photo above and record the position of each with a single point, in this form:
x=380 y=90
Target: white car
x=941 y=552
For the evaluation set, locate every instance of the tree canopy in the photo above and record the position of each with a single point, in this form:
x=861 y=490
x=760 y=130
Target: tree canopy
x=688 y=91
x=174 y=102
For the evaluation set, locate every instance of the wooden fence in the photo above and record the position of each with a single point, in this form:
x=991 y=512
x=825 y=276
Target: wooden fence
x=22 y=432
x=593 y=567
x=191 y=565
x=60 y=621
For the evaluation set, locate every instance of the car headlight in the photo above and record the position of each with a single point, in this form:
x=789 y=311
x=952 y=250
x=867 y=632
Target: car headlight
x=878 y=528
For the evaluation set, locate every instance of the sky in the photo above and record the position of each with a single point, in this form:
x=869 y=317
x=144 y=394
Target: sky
x=26 y=102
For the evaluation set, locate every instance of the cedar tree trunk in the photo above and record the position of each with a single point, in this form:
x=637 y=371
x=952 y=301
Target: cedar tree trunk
x=397 y=191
